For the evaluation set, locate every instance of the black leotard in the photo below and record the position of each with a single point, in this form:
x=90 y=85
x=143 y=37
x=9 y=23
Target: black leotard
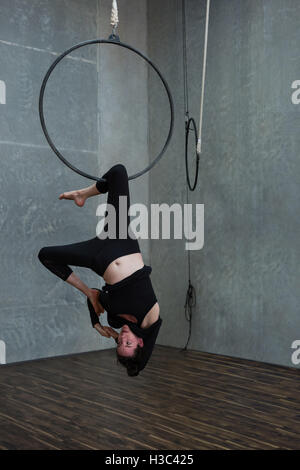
x=133 y=295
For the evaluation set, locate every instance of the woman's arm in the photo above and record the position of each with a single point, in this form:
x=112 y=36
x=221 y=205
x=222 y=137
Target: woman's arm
x=101 y=330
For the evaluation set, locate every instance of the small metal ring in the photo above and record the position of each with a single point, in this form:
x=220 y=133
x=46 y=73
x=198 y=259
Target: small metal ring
x=187 y=132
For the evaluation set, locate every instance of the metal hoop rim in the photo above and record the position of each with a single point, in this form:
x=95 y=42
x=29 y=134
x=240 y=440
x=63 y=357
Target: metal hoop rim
x=41 y=106
x=187 y=132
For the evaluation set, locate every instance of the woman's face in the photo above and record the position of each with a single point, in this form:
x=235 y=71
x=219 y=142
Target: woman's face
x=127 y=342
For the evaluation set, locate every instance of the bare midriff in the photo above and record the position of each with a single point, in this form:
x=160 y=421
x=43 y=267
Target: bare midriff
x=121 y=268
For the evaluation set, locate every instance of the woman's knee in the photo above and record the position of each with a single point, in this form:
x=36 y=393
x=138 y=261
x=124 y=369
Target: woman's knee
x=119 y=169
x=44 y=254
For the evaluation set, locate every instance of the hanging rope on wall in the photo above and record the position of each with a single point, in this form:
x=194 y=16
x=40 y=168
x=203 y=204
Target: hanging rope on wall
x=190 y=125
x=199 y=143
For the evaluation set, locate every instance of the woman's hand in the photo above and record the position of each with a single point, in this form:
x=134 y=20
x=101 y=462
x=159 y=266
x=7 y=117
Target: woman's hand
x=94 y=299
x=101 y=309
x=106 y=331
x=111 y=332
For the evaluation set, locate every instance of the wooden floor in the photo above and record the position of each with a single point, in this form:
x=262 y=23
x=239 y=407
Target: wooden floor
x=184 y=400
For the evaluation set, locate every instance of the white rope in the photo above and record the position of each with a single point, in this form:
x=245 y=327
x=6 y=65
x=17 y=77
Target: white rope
x=114 y=20
x=203 y=78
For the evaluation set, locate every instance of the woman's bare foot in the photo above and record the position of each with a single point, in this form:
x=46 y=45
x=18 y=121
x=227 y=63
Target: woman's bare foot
x=93 y=296
x=77 y=196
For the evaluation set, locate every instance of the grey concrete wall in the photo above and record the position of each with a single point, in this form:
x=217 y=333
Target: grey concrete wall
x=100 y=111
x=247 y=274
x=40 y=315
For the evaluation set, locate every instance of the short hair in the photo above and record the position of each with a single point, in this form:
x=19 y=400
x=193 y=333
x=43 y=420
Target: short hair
x=132 y=363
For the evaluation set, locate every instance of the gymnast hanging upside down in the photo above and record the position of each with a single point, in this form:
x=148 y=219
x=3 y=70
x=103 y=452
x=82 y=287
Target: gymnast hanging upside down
x=128 y=296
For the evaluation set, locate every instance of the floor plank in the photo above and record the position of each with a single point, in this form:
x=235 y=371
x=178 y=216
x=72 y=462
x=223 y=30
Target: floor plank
x=183 y=400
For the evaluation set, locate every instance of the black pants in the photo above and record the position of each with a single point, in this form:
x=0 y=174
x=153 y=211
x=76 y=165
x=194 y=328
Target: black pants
x=95 y=253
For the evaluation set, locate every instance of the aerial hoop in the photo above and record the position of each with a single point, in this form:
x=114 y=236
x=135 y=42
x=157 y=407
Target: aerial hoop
x=187 y=133
x=115 y=41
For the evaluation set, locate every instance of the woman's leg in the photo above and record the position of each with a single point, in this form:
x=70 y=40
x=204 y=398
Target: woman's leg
x=58 y=258
x=116 y=185
x=86 y=254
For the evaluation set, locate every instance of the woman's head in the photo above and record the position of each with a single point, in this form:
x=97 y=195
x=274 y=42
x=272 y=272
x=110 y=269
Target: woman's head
x=129 y=350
